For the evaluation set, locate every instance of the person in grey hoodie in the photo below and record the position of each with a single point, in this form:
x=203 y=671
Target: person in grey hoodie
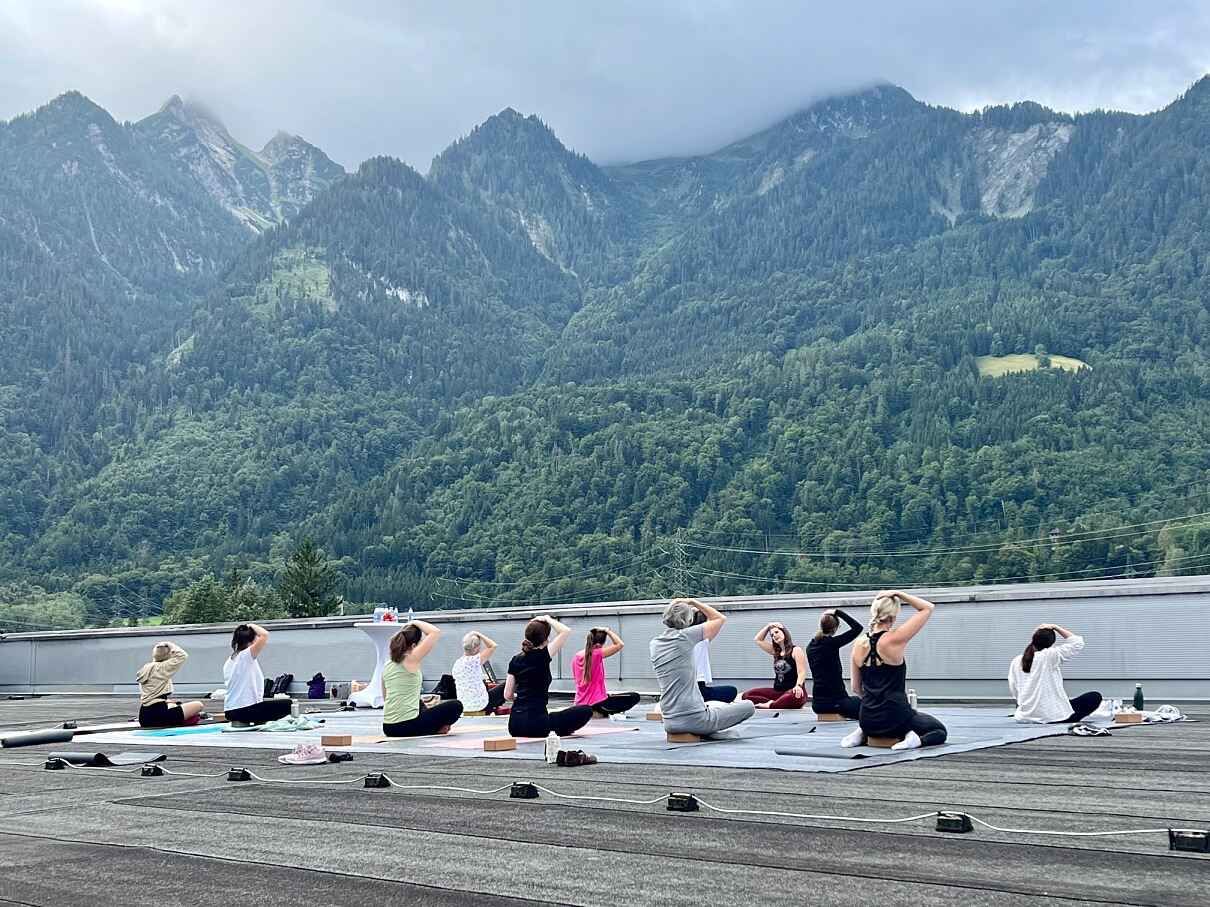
x=672 y=656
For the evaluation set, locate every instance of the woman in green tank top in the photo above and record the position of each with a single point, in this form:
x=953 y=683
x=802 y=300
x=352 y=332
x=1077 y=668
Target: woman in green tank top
x=403 y=714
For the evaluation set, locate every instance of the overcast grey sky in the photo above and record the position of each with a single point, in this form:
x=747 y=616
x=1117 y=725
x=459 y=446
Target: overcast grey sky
x=618 y=80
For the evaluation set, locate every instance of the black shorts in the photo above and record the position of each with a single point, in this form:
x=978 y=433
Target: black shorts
x=161 y=714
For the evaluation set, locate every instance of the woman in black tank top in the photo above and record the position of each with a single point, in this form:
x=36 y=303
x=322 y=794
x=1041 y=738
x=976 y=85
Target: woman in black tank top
x=880 y=677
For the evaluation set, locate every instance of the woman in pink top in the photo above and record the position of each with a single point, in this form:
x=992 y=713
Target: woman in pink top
x=588 y=668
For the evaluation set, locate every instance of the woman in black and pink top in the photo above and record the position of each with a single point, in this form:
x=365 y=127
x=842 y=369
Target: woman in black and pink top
x=789 y=690
x=828 y=693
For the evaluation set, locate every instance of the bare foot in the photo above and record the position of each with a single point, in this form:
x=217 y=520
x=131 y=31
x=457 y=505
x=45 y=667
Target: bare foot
x=444 y=730
x=764 y=705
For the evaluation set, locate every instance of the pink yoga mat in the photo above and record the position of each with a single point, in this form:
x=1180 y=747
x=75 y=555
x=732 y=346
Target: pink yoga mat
x=476 y=743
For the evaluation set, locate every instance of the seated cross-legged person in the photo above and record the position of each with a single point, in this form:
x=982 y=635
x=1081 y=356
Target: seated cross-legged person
x=157 y=708
x=588 y=669
x=245 y=703
x=789 y=690
x=528 y=684
x=672 y=656
x=472 y=690
x=403 y=714
x=1035 y=679
x=828 y=693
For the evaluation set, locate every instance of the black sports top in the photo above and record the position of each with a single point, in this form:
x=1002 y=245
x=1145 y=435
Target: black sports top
x=785 y=673
x=531 y=670
x=884 y=702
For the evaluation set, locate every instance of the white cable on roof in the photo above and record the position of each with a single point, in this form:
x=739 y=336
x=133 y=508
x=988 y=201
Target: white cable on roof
x=762 y=812
x=1072 y=834
x=555 y=793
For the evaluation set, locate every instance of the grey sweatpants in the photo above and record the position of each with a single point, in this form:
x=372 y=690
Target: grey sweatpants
x=718 y=716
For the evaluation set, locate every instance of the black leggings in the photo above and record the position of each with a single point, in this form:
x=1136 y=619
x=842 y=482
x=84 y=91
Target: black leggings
x=260 y=712
x=616 y=703
x=849 y=707
x=430 y=720
x=930 y=731
x=717 y=693
x=1084 y=705
x=495 y=698
x=563 y=723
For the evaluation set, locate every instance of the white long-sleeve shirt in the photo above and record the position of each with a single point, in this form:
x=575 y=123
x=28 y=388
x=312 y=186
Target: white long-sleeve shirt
x=701 y=658
x=1040 y=696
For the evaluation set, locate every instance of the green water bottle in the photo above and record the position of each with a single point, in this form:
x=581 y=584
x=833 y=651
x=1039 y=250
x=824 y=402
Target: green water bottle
x=1138 y=697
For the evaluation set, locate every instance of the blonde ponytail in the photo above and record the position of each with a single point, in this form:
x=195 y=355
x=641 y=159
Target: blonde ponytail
x=883 y=608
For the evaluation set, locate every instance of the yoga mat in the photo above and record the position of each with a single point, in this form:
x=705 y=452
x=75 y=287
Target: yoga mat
x=100 y=759
x=477 y=743
x=182 y=731
x=106 y=728
x=37 y=738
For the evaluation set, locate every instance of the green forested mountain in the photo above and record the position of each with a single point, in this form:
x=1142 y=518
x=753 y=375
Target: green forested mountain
x=528 y=378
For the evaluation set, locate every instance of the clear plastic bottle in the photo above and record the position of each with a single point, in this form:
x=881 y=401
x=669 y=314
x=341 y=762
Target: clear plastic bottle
x=552 y=747
x=409 y=615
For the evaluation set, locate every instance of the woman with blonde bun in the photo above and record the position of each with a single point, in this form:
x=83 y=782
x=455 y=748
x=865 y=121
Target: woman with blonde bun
x=157 y=708
x=880 y=676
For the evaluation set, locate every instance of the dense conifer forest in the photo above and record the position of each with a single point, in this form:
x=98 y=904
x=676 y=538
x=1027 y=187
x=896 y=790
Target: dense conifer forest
x=525 y=378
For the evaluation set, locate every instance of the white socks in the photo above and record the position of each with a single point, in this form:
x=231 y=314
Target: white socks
x=910 y=742
x=857 y=738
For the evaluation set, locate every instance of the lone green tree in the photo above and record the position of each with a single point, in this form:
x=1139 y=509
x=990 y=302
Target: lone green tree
x=309 y=581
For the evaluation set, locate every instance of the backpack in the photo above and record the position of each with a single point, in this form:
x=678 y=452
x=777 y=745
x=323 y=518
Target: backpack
x=446 y=688
x=281 y=684
x=317 y=687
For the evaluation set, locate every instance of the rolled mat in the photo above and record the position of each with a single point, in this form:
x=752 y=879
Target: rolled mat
x=37 y=738
x=100 y=759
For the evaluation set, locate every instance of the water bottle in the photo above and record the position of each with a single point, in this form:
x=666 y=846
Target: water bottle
x=1138 y=697
x=294 y=708
x=409 y=615
x=552 y=748
x=912 y=699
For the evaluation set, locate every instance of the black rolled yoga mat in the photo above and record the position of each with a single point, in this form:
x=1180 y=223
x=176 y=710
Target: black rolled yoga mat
x=100 y=759
x=37 y=738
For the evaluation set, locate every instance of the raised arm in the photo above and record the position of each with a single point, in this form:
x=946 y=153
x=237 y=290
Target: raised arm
x=262 y=637
x=850 y=634
x=714 y=618
x=760 y=639
x=487 y=647
x=176 y=658
x=1070 y=645
x=428 y=639
x=615 y=643
x=562 y=634
x=800 y=662
x=902 y=635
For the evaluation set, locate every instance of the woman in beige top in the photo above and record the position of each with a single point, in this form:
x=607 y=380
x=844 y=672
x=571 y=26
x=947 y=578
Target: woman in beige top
x=156 y=708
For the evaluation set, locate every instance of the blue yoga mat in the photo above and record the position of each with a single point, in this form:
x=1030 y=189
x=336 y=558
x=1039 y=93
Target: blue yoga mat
x=179 y=731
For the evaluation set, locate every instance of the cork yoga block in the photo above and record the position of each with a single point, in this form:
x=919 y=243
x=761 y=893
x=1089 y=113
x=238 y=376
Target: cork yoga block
x=684 y=738
x=883 y=742
x=337 y=740
x=499 y=744
x=1128 y=718
x=829 y=716
x=478 y=714
x=655 y=716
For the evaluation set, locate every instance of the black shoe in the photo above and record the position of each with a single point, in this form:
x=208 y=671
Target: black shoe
x=340 y=757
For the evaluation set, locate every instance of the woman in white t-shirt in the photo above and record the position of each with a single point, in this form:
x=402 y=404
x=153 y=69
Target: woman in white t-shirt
x=468 y=675
x=245 y=703
x=1036 y=680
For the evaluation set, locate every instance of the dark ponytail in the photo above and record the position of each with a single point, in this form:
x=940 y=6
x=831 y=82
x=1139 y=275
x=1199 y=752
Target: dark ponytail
x=1043 y=638
x=536 y=634
x=827 y=626
x=403 y=641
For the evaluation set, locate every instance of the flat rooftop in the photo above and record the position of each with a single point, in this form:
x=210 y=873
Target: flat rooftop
x=97 y=837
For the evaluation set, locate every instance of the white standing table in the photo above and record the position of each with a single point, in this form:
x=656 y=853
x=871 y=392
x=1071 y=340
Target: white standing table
x=380 y=632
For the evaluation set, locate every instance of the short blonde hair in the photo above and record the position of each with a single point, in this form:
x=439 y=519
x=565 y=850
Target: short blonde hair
x=884 y=608
x=471 y=643
x=162 y=651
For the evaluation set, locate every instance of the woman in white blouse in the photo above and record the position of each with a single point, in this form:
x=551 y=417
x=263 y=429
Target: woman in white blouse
x=1036 y=680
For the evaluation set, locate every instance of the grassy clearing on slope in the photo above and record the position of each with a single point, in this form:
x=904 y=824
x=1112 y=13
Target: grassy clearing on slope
x=994 y=366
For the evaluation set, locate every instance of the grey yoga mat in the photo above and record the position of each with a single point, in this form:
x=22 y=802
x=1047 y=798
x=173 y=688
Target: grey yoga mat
x=37 y=738
x=100 y=759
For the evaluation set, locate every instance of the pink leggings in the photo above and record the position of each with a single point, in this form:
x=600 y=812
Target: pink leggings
x=779 y=700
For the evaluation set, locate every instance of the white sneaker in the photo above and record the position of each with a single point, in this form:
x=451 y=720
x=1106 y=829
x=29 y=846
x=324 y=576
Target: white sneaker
x=305 y=754
x=854 y=738
x=910 y=742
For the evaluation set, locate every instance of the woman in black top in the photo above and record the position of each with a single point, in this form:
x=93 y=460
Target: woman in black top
x=529 y=680
x=789 y=690
x=880 y=675
x=828 y=694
